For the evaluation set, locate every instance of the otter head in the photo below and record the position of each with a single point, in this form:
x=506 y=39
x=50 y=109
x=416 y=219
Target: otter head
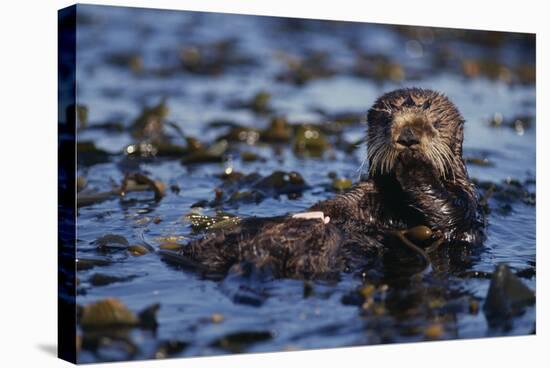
x=413 y=127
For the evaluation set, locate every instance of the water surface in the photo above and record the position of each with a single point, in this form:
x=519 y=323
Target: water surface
x=114 y=92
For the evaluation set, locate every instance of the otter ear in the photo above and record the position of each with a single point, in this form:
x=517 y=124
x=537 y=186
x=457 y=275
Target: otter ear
x=426 y=105
x=393 y=105
x=409 y=102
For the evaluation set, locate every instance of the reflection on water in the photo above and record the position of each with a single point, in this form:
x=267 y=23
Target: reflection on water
x=213 y=68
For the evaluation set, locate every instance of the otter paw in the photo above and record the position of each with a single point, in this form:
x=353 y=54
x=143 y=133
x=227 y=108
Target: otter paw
x=312 y=215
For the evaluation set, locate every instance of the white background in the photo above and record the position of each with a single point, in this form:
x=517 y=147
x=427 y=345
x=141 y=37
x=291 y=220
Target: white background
x=28 y=181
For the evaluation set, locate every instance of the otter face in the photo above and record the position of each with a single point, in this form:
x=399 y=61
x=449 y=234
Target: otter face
x=414 y=126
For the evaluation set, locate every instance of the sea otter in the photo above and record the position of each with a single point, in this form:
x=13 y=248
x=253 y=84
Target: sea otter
x=416 y=178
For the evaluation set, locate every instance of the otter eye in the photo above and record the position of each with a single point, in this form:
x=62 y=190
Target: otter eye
x=437 y=124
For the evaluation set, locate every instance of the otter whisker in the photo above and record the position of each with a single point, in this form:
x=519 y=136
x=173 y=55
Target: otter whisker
x=435 y=154
x=434 y=157
x=387 y=160
x=444 y=156
x=383 y=160
x=365 y=159
x=448 y=159
x=444 y=163
x=377 y=161
x=376 y=157
x=393 y=158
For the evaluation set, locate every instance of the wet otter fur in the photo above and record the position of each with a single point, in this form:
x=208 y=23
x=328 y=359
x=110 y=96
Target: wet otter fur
x=416 y=176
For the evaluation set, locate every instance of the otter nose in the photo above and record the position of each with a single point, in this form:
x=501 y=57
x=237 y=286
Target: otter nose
x=407 y=138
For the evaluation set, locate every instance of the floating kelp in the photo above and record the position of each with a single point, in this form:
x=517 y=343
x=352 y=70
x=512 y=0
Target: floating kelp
x=253 y=188
x=238 y=341
x=222 y=220
x=170 y=348
x=419 y=240
x=107 y=313
x=300 y=70
x=108 y=126
x=138 y=182
x=214 y=153
x=88 y=154
x=213 y=58
x=105 y=343
x=519 y=123
x=279 y=131
x=336 y=123
x=150 y=123
x=290 y=184
x=102 y=279
x=246 y=196
x=281 y=181
x=341 y=184
x=419 y=233
x=171 y=246
x=507 y=296
x=259 y=103
x=378 y=67
x=478 y=161
x=148 y=317
x=176 y=258
x=112 y=313
x=87 y=198
x=201 y=157
x=86 y=263
x=194 y=145
x=170 y=238
x=434 y=331
x=230 y=176
x=133 y=182
x=506 y=192
x=127 y=60
x=306 y=138
x=199 y=58
x=248 y=156
x=223 y=123
x=344 y=118
x=138 y=250
x=309 y=139
x=488 y=68
x=111 y=242
x=370 y=298
x=242 y=135
x=493 y=69
x=418 y=310
x=147 y=149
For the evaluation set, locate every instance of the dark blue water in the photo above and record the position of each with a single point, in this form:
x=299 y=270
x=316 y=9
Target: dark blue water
x=116 y=93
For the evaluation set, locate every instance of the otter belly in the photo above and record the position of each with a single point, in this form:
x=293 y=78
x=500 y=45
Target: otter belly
x=287 y=248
